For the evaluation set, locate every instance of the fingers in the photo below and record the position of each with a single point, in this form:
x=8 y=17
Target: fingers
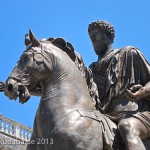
x=136 y=87
x=130 y=96
x=136 y=95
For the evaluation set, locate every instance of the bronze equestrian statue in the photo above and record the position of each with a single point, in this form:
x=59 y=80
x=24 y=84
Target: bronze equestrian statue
x=123 y=80
x=66 y=117
x=75 y=112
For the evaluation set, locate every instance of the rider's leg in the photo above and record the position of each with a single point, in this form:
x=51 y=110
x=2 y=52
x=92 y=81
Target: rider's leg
x=133 y=131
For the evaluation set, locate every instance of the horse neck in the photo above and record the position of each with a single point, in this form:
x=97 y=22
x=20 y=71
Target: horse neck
x=66 y=89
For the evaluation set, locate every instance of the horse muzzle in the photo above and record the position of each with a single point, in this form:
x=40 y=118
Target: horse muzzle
x=15 y=89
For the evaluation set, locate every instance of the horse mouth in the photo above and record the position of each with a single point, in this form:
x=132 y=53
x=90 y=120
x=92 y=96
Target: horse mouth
x=17 y=91
x=23 y=94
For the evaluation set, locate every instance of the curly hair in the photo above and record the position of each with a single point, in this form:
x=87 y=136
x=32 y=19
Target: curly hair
x=105 y=26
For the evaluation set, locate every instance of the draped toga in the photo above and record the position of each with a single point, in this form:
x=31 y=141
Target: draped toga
x=118 y=71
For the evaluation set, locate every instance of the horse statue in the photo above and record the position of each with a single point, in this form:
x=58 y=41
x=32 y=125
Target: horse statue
x=67 y=117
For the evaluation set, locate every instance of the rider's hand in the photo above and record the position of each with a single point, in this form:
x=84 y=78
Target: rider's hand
x=135 y=93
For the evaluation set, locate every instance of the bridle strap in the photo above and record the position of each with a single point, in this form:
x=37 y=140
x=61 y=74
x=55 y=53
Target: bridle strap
x=16 y=78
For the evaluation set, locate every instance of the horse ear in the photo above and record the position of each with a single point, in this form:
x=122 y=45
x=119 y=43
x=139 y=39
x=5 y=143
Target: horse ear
x=35 y=42
x=27 y=40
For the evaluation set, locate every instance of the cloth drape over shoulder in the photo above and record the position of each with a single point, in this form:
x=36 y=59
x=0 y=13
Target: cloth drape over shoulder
x=125 y=68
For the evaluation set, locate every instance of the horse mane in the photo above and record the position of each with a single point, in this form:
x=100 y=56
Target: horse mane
x=86 y=71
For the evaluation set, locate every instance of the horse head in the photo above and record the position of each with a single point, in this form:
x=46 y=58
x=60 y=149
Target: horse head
x=30 y=70
x=42 y=60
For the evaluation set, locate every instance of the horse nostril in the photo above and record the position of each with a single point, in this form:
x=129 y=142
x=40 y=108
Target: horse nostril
x=10 y=87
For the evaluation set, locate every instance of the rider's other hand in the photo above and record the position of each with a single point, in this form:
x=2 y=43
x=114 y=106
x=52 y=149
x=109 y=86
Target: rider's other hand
x=135 y=93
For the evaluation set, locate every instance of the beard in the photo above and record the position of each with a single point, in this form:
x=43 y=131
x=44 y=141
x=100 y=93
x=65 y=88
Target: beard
x=100 y=49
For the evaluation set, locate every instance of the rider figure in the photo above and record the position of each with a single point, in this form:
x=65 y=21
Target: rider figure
x=123 y=80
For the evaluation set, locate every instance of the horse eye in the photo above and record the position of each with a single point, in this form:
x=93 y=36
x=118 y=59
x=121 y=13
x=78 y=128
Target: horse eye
x=25 y=57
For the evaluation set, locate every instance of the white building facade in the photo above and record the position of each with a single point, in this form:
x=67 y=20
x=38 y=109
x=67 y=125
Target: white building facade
x=13 y=135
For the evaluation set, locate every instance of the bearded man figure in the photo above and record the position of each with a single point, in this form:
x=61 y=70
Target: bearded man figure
x=123 y=80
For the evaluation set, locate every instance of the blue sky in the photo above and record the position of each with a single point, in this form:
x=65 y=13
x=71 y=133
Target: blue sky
x=68 y=19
